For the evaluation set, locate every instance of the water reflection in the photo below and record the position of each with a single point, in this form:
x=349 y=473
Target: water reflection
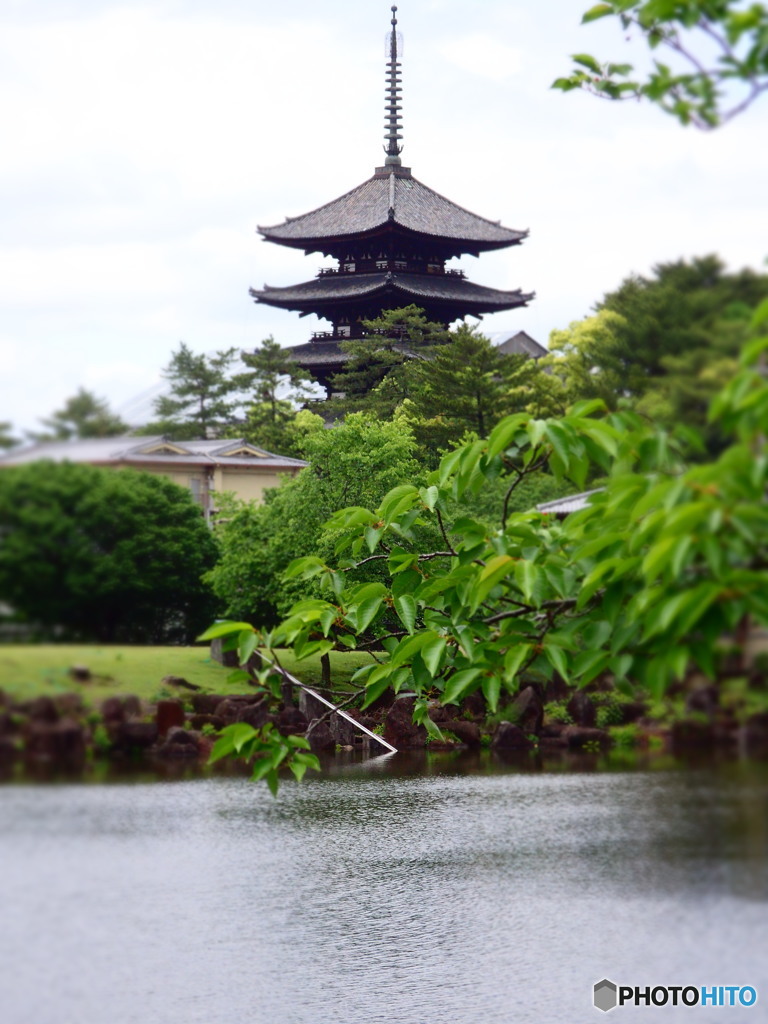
x=382 y=893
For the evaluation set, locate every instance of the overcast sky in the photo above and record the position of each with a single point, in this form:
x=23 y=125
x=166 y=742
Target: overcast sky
x=143 y=143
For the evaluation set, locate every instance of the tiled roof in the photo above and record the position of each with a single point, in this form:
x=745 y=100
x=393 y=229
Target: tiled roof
x=318 y=353
x=564 y=506
x=328 y=353
x=138 y=451
x=522 y=344
x=325 y=291
x=395 y=198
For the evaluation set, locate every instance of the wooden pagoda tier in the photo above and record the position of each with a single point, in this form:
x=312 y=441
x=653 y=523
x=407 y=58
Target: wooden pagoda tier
x=392 y=237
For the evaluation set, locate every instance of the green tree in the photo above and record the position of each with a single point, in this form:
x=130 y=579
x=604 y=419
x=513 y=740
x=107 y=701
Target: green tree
x=467 y=385
x=591 y=359
x=286 y=436
x=686 y=305
x=98 y=554
x=350 y=464
x=680 y=340
x=484 y=606
x=666 y=343
x=636 y=588
x=375 y=378
x=7 y=440
x=638 y=585
x=83 y=415
x=204 y=396
x=719 y=49
x=278 y=385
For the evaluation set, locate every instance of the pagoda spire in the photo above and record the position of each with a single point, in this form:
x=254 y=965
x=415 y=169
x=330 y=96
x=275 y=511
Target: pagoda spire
x=393 y=126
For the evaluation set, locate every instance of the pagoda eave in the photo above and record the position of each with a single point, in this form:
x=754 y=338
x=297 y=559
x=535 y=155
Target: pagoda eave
x=452 y=295
x=390 y=232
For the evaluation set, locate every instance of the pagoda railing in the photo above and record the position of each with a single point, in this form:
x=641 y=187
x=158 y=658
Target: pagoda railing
x=356 y=334
x=371 y=266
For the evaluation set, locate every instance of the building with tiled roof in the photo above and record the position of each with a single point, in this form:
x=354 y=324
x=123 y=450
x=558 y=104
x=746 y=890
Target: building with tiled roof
x=206 y=468
x=562 y=507
x=522 y=344
x=391 y=236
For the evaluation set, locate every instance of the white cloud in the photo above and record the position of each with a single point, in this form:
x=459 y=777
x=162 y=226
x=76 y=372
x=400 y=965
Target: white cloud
x=482 y=54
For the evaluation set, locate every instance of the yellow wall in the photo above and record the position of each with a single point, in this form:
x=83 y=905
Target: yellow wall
x=248 y=486
x=180 y=477
x=244 y=484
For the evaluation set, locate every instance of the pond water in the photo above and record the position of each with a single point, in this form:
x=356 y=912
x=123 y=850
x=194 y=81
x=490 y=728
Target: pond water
x=379 y=893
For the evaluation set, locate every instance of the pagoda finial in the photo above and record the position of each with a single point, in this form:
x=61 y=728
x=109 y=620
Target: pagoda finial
x=393 y=126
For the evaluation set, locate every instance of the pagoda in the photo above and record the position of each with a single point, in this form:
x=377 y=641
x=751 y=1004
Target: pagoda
x=391 y=238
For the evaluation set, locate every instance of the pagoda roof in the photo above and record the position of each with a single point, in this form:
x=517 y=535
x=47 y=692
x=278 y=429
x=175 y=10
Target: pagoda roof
x=318 y=295
x=318 y=353
x=392 y=199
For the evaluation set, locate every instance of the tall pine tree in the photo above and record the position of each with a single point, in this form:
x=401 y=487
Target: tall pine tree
x=204 y=396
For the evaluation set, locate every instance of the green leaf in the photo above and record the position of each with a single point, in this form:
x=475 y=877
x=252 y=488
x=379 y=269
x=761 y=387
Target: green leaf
x=398 y=500
x=588 y=665
x=232 y=739
x=503 y=433
x=298 y=769
x=586 y=61
x=597 y=545
x=698 y=602
x=527 y=576
x=596 y=579
x=301 y=742
x=620 y=666
x=272 y=781
x=595 y=634
x=306 y=648
x=460 y=684
x=560 y=441
x=432 y=654
x=224 y=629
x=361 y=616
x=433 y=730
x=374 y=690
x=598 y=11
x=405 y=582
x=246 y=645
x=305 y=568
x=513 y=660
x=353 y=516
x=491 y=687
x=429 y=496
x=760 y=317
x=448 y=464
x=401 y=560
x=492 y=573
x=409 y=646
x=564 y=84
x=327 y=618
x=557 y=659
x=405 y=606
x=372 y=538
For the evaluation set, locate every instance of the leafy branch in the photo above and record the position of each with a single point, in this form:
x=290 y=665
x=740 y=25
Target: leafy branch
x=700 y=93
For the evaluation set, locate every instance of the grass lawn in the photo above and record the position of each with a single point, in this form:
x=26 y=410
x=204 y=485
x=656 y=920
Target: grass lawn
x=31 y=670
